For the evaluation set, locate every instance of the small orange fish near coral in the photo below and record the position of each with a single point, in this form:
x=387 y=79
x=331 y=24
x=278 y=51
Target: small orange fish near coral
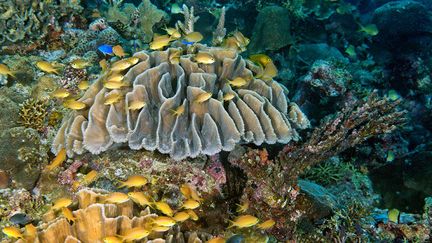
x=118 y=51
x=58 y=160
x=134 y=181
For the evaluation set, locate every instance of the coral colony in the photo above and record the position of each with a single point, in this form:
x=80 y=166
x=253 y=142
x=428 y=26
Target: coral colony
x=215 y=121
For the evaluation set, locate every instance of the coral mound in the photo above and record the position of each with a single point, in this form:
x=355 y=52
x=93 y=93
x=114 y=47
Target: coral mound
x=258 y=113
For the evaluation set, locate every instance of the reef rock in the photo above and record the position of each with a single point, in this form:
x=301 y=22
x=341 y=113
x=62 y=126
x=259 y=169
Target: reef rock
x=22 y=155
x=400 y=19
x=271 y=30
x=258 y=113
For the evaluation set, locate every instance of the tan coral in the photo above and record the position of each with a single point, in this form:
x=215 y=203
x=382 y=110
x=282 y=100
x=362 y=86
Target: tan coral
x=257 y=114
x=95 y=221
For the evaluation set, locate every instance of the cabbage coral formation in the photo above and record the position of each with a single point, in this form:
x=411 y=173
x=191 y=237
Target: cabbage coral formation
x=258 y=113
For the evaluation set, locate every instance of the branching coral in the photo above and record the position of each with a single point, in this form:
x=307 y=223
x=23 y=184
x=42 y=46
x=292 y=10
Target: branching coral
x=33 y=114
x=30 y=20
x=258 y=112
x=189 y=20
x=271 y=184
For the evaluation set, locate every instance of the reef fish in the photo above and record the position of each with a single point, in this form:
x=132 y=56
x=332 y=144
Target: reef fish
x=4 y=70
x=217 y=240
x=164 y=221
x=47 y=67
x=160 y=42
x=173 y=32
x=203 y=97
x=134 y=181
x=90 y=177
x=61 y=203
x=67 y=213
x=181 y=216
x=112 y=239
x=112 y=98
x=370 y=29
x=260 y=59
x=60 y=93
x=12 y=232
x=118 y=51
x=237 y=82
x=115 y=77
x=244 y=221
x=204 y=58
x=164 y=208
x=192 y=214
x=393 y=215
x=194 y=36
x=140 y=198
x=136 y=105
x=190 y=204
x=80 y=63
x=136 y=233
x=133 y=60
x=160 y=228
x=106 y=49
x=242 y=207
x=74 y=104
x=116 y=197
x=115 y=85
x=176 y=9
x=266 y=224
x=83 y=85
x=58 y=160
x=121 y=65
x=350 y=50
x=179 y=110
x=228 y=96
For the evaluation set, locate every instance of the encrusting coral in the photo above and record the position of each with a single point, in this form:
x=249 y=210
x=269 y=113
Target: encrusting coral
x=259 y=111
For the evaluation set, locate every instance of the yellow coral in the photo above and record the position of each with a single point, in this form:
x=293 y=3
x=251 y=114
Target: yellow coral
x=33 y=114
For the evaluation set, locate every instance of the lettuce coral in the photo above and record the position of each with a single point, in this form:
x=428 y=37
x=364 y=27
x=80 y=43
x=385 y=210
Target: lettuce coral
x=258 y=113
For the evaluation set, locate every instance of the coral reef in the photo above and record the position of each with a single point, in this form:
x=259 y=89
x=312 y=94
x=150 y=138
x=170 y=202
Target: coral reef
x=256 y=114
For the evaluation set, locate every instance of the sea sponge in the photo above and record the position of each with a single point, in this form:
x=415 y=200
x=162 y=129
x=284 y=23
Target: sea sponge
x=95 y=220
x=257 y=114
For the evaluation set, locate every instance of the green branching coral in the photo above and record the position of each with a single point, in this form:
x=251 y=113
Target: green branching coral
x=33 y=114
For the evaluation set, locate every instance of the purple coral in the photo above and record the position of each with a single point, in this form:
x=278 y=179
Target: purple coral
x=67 y=177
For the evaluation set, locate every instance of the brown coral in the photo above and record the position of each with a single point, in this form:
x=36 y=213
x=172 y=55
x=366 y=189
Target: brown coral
x=258 y=113
x=33 y=114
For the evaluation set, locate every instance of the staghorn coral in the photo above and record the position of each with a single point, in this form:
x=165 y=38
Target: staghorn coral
x=220 y=31
x=259 y=112
x=271 y=184
x=31 y=20
x=95 y=220
x=33 y=114
x=189 y=20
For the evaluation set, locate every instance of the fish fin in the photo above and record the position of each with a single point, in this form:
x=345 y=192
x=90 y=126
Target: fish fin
x=232 y=224
x=12 y=74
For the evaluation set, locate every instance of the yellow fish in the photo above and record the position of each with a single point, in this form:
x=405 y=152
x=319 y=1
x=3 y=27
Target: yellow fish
x=159 y=43
x=370 y=29
x=74 y=104
x=140 y=198
x=192 y=214
x=244 y=221
x=164 y=208
x=185 y=189
x=179 y=110
x=136 y=233
x=203 y=97
x=160 y=228
x=393 y=215
x=390 y=156
x=30 y=230
x=242 y=40
x=115 y=77
x=237 y=82
x=266 y=224
x=12 y=232
x=136 y=105
x=261 y=59
x=134 y=181
x=90 y=177
x=204 y=58
x=61 y=203
x=61 y=93
x=228 y=96
x=194 y=37
x=270 y=71
x=112 y=239
x=112 y=98
x=217 y=240
x=80 y=63
x=164 y=221
x=83 y=85
x=121 y=65
x=116 y=197
x=118 y=51
x=47 y=67
x=174 y=57
x=103 y=64
x=243 y=207
x=115 y=85
x=4 y=70
x=58 y=160
x=181 y=216
x=173 y=32
x=190 y=204
x=67 y=213
x=133 y=60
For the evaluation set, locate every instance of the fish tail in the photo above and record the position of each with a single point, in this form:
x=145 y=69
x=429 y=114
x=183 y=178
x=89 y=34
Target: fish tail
x=12 y=74
x=232 y=224
x=56 y=71
x=122 y=184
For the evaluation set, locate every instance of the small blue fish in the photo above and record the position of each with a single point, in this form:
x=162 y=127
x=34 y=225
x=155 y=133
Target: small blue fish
x=106 y=49
x=187 y=42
